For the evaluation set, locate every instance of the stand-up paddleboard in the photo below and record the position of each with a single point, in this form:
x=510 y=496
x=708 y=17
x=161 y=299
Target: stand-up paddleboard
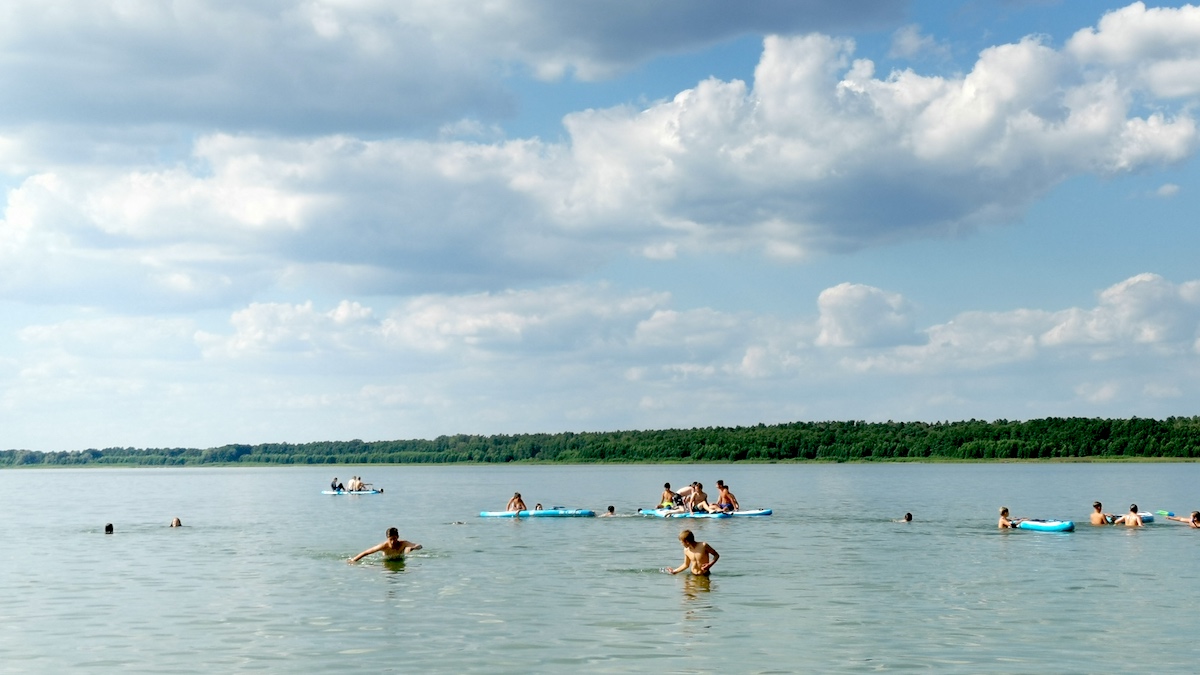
x=351 y=492
x=751 y=512
x=666 y=513
x=540 y=513
x=1047 y=525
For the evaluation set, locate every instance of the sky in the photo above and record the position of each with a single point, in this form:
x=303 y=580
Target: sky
x=291 y=221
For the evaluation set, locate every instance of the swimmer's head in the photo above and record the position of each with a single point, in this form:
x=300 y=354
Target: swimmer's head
x=175 y=523
x=1096 y=505
x=611 y=509
x=907 y=517
x=1195 y=516
x=393 y=533
x=687 y=537
x=1133 y=508
x=1004 y=510
x=108 y=529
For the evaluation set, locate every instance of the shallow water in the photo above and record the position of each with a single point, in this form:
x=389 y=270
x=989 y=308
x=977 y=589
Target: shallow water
x=256 y=580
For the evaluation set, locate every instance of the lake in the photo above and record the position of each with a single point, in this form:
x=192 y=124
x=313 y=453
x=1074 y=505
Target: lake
x=257 y=579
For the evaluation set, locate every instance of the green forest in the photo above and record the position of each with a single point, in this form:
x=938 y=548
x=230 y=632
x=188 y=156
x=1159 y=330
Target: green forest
x=1042 y=439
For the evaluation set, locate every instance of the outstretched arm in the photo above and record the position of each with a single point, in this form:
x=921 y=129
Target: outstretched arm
x=410 y=546
x=373 y=549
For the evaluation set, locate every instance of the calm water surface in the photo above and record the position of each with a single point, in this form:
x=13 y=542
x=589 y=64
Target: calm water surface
x=256 y=580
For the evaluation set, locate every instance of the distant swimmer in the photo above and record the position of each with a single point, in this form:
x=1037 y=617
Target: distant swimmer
x=1099 y=517
x=1131 y=519
x=537 y=507
x=1007 y=523
x=516 y=503
x=175 y=523
x=906 y=519
x=108 y=529
x=609 y=513
x=697 y=555
x=393 y=549
x=1193 y=520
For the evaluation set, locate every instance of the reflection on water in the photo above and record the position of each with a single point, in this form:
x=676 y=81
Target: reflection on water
x=394 y=565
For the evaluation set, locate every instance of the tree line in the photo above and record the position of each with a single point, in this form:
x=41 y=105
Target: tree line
x=1050 y=438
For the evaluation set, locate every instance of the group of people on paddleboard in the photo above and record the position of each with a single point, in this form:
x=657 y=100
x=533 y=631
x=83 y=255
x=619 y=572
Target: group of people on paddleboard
x=693 y=499
x=355 y=484
x=1098 y=517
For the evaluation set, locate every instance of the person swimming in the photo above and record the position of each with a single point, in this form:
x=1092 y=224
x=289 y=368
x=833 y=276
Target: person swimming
x=1131 y=519
x=1099 y=517
x=175 y=522
x=1007 y=523
x=1193 y=520
x=393 y=548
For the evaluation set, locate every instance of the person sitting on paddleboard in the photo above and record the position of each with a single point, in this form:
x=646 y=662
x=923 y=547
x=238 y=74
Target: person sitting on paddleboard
x=393 y=548
x=336 y=486
x=1193 y=520
x=725 y=499
x=1099 y=517
x=516 y=503
x=667 y=500
x=1131 y=519
x=1007 y=523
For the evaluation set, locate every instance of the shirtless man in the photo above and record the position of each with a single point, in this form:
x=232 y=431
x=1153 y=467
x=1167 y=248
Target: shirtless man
x=393 y=549
x=697 y=555
x=667 y=499
x=700 y=501
x=1193 y=520
x=1007 y=523
x=516 y=503
x=1131 y=519
x=725 y=499
x=1099 y=517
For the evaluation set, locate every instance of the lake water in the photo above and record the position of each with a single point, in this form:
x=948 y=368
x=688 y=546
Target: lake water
x=257 y=579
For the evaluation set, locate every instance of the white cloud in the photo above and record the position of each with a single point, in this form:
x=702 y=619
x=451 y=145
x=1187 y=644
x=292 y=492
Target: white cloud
x=854 y=315
x=1167 y=190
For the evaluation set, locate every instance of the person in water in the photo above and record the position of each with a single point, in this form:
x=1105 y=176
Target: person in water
x=1099 y=517
x=108 y=529
x=697 y=555
x=1131 y=519
x=610 y=512
x=1193 y=520
x=907 y=518
x=516 y=503
x=537 y=507
x=175 y=522
x=1007 y=523
x=393 y=548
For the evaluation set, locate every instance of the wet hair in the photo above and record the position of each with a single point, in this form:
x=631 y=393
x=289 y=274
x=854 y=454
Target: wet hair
x=1195 y=515
x=1004 y=510
x=393 y=533
x=907 y=517
x=687 y=537
x=108 y=529
x=1095 y=505
x=1133 y=508
x=175 y=522
x=611 y=509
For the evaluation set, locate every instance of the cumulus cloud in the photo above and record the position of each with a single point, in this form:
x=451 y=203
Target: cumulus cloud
x=817 y=155
x=854 y=315
x=321 y=66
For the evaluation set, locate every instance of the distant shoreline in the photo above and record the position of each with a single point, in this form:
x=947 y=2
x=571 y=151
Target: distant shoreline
x=1175 y=439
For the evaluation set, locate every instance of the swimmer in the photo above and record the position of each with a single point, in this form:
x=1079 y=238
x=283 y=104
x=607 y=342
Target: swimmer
x=516 y=503
x=609 y=513
x=906 y=519
x=393 y=549
x=1193 y=520
x=697 y=555
x=537 y=507
x=108 y=529
x=1099 y=517
x=1131 y=519
x=175 y=523
x=1007 y=523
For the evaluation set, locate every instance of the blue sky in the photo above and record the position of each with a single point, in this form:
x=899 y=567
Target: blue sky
x=296 y=221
